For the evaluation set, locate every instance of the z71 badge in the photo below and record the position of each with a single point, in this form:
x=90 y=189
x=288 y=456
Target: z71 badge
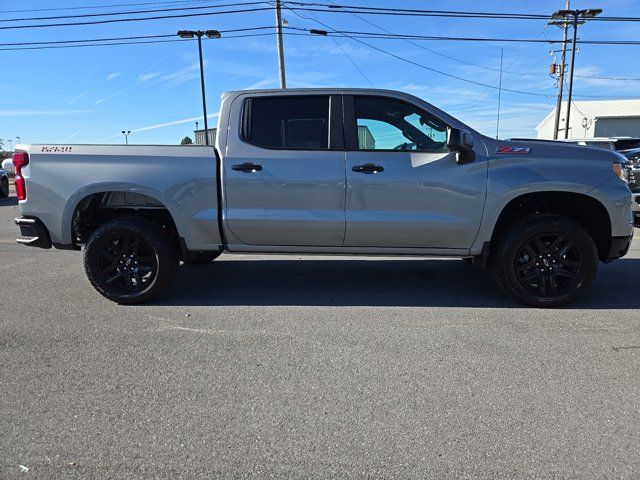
x=517 y=150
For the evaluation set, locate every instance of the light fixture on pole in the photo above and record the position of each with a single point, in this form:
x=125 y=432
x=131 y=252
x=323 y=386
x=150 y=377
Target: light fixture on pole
x=126 y=134
x=578 y=17
x=199 y=34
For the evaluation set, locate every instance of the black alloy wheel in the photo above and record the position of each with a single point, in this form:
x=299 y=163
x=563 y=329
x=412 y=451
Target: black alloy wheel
x=544 y=260
x=126 y=262
x=130 y=260
x=548 y=264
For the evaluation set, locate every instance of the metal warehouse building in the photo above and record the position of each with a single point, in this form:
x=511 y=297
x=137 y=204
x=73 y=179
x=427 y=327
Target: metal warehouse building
x=598 y=118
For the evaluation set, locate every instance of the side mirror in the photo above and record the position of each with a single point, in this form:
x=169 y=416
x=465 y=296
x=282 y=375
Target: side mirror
x=461 y=142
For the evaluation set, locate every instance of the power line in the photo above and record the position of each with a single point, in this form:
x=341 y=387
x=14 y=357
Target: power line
x=63 y=42
x=118 y=20
x=335 y=8
x=86 y=7
x=420 y=65
x=130 y=12
x=360 y=71
x=418 y=45
x=46 y=47
x=621 y=79
x=401 y=36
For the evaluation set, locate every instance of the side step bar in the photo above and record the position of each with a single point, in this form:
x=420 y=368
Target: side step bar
x=33 y=233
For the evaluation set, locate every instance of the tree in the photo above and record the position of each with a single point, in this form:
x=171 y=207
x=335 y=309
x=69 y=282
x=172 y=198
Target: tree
x=186 y=141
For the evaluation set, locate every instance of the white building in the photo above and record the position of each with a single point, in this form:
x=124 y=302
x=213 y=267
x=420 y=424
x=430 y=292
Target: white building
x=199 y=136
x=595 y=118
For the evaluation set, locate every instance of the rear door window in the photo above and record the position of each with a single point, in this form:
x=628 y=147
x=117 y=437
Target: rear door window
x=288 y=123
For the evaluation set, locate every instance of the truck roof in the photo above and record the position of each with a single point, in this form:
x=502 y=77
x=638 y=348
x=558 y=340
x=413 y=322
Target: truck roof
x=294 y=91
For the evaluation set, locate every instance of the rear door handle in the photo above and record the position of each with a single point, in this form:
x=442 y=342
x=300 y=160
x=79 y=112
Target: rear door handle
x=247 y=167
x=369 y=168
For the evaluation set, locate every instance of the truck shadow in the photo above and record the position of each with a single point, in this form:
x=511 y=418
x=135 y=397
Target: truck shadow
x=410 y=283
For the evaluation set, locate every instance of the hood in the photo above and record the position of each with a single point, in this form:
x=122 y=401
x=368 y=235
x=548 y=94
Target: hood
x=549 y=149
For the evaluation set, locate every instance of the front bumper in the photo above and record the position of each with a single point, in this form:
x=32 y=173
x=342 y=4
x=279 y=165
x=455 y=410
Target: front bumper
x=619 y=247
x=33 y=232
x=635 y=208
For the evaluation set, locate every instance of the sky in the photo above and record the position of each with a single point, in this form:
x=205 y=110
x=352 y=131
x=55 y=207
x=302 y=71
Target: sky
x=89 y=95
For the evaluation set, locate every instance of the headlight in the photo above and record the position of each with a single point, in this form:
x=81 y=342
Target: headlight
x=620 y=171
x=619 y=166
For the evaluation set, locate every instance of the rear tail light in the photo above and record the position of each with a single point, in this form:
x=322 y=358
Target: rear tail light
x=20 y=159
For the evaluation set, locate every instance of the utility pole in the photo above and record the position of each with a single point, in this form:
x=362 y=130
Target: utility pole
x=567 y=117
x=278 y=8
x=577 y=17
x=499 y=94
x=563 y=61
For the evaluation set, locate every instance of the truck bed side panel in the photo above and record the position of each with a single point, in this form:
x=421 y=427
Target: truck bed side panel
x=183 y=179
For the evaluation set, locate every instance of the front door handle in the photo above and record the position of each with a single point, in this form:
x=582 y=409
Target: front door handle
x=369 y=168
x=247 y=167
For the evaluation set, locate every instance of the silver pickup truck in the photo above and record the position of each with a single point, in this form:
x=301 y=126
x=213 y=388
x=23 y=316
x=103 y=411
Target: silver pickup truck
x=330 y=171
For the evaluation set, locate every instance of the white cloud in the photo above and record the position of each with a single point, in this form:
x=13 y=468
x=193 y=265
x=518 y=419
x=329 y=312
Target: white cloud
x=71 y=137
x=174 y=122
x=113 y=75
x=115 y=94
x=35 y=113
x=161 y=125
x=183 y=75
x=265 y=82
x=145 y=77
x=78 y=97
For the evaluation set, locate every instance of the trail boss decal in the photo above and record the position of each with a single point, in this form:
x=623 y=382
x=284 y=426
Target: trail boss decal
x=55 y=149
x=517 y=150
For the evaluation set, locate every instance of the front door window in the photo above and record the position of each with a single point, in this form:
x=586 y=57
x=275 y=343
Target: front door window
x=389 y=124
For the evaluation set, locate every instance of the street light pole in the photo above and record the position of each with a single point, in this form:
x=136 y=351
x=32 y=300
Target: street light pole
x=204 y=100
x=126 y=135
x=200 y=34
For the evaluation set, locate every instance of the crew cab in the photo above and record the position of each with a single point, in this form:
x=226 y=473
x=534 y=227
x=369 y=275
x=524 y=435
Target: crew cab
x=330 y=171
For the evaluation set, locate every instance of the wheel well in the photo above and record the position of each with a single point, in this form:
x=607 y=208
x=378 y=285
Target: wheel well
x=97 y=208
x=586 y=210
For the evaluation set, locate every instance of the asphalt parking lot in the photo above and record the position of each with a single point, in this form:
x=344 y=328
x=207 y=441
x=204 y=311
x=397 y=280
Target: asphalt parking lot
x=257 y=366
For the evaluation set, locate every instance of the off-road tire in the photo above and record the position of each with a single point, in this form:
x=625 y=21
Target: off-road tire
x=108 y=254
x=532 y=248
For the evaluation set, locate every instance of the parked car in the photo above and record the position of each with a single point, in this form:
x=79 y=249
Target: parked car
x=4 y=184
x=610 y=143
x=330 y=171
x=7 y=166
x=633 y=178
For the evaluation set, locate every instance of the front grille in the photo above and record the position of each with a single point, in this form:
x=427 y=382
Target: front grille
x=634 y=180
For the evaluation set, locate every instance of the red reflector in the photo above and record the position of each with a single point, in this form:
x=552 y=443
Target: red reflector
x=20 y=159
